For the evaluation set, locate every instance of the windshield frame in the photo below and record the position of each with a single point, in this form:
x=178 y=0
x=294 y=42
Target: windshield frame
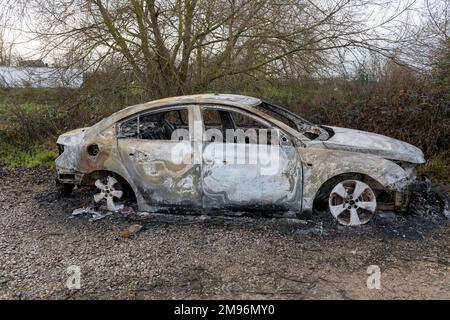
x=283 y=112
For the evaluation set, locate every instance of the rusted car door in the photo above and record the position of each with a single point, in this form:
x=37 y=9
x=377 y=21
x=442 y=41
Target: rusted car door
x=244 y=170
x=157 y=149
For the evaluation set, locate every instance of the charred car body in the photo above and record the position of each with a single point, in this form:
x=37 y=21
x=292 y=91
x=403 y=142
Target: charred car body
x=198 y=152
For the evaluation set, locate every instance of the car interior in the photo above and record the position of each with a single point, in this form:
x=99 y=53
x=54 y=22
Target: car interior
x=155 y=126
x=223 y=120
x=161 y=125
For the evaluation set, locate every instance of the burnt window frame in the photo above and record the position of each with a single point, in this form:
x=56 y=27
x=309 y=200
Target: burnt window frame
x=157 y=110
x=245 y=112
x=292 y=118
x=122 y=122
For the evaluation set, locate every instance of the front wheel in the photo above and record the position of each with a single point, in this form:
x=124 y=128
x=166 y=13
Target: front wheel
x=352 y=203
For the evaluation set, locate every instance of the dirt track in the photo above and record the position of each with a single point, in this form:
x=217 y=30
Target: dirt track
x=200 y=257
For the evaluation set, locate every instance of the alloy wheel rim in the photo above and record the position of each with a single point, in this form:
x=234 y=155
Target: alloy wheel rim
x=352 y=203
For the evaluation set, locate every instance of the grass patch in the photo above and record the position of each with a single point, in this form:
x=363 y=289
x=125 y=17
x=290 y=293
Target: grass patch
x=32 y=157
x=438 y=168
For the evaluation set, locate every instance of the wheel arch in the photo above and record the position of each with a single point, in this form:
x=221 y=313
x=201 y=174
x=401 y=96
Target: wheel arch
x=321 y=195
x=322 y=165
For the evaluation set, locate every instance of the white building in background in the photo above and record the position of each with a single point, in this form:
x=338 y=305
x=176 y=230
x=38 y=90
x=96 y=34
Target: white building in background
x=40 y=77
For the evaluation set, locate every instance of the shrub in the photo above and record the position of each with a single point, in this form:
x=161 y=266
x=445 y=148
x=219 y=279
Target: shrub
x=438 y=168
x=31 y=157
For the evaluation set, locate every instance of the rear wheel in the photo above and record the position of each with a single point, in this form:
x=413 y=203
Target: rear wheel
x=352 y=202
x=110 y=189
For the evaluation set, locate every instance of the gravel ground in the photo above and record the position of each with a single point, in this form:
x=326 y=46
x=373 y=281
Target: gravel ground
x=208 y=257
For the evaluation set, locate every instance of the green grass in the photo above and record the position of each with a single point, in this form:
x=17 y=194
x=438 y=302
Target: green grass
x=22 y=155
x=438 y=168
x=32 y=157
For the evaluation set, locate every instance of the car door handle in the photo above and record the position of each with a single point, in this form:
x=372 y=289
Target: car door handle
x=131 y=154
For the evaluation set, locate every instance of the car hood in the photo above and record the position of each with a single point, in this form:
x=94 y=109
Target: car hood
x=368 y=142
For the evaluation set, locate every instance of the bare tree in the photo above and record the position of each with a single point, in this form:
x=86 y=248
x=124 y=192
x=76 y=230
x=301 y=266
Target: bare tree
x=5 y=51
x=180 y=46
x=428 y=36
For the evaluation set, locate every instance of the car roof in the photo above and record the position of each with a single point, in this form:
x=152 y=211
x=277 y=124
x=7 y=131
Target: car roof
x=233 y=99
x=208 y=98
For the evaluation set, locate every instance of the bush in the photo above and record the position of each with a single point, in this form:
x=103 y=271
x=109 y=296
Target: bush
x=438 y=168
x=415 y=117
x=31 y=157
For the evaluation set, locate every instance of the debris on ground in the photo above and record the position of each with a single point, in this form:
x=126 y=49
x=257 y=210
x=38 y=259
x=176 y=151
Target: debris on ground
x=131 y=231
x=431 y=202
x=95 y=214
x=143 y=214
x=317 y=230
x=126 y=211
x=99 y=215
x=84 y=210
x=445 y=199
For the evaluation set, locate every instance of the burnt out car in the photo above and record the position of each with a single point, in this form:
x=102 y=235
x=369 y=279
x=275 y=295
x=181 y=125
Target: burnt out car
x=221 y=153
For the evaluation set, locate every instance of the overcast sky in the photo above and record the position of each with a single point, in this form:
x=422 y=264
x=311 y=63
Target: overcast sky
x=20 y=31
